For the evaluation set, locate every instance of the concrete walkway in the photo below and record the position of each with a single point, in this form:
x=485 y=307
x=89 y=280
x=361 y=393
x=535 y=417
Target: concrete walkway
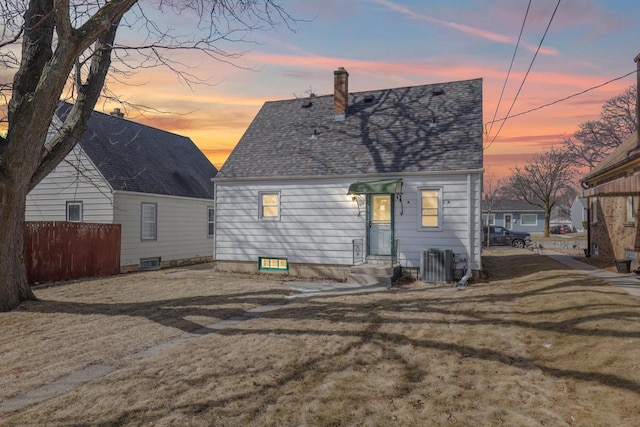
x=627 y=281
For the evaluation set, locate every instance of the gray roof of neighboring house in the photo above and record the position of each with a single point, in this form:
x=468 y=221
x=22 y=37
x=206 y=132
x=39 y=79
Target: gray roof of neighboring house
x=139 y=158
x=616 y=158
x=511 y=206
x=390 y=134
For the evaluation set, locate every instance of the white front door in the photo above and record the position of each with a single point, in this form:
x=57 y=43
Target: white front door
x=508 y=221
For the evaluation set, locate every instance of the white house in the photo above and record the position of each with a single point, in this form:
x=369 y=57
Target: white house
x=156 y=184
x=579 y=213
x=317 y=185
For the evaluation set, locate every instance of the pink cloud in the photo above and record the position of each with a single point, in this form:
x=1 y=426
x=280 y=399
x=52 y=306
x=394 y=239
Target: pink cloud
x=488 y=35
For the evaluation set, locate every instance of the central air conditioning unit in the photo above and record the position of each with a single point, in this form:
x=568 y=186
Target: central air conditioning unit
x=436 y=265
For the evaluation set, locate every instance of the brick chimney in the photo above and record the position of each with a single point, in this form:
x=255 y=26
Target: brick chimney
x=340 y=93
x=117 y=113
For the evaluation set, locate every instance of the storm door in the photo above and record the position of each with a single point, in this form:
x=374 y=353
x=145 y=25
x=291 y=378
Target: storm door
x=380 y=224
x=508 y=221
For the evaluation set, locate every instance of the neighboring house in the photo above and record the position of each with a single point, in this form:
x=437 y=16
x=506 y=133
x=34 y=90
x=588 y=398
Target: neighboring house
x=316 y=184
x=613 y=192
x=579 y=213
x=516 y=215
x=156 y=184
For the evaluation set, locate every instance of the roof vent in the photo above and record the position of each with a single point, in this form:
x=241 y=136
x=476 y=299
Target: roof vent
x=307 y=103
x=434 y=123
x=117 y=113
x=438 y=92
x=368 y=98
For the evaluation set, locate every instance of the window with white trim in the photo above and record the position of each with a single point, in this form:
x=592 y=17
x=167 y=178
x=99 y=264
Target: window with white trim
x=594 y=210
x=74 y=211
x=430 y=209
x=528 y=219
x=631 y=212
x=211 y=217
x=149 y=221
x=269 y=205
x=492 y=219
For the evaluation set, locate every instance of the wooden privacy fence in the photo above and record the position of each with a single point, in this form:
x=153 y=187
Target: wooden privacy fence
x=60 y=250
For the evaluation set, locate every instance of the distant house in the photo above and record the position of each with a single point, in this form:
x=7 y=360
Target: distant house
x=156 y=184
x=579 y=213
x=316 y=185
x=516 y=215
x=613 y=192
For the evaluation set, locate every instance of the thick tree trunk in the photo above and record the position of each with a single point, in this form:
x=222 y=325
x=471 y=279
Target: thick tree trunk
x=13 y=272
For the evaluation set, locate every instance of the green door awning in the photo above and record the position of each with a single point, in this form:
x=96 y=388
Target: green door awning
x=387 y=186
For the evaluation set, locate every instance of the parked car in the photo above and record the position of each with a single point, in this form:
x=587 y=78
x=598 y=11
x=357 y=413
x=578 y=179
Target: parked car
x=500 y=236
x=555 y=229
x=565 y=229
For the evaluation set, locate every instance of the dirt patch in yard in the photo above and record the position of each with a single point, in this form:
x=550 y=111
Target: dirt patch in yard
x=536 y=344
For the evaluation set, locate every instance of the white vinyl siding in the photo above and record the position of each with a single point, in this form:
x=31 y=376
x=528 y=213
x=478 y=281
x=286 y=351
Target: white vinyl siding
x=318 y=221
x=453 y=233
x=180 y=223
x=74 y=179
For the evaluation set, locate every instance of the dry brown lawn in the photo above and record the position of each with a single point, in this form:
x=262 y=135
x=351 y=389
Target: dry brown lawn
x=536 y=344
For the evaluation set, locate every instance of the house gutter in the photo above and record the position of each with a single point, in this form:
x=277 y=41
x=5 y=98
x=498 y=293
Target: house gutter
x=346 y=176
x=464 y=281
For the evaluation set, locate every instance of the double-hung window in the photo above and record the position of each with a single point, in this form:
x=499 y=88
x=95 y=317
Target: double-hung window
x=149 y=221
x=594 y=210
x=492 y=219
x=430 y=208
x=74 y=212
x=211 y=221
x=269 y=205
x=631 y=212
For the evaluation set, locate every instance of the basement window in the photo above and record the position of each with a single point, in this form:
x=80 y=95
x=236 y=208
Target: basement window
x=273 y=264
x=150 y=263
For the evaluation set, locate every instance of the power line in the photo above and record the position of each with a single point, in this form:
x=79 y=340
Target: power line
x=526 y=74
x=563 y=99
x=510 y=66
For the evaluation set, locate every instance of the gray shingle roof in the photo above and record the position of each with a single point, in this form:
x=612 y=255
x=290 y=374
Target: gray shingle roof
x=511 y=206
x=389 y=135
x=139 y=158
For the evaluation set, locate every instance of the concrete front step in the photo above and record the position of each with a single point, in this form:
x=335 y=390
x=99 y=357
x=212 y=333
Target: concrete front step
x=372 y=274
x=369 y=279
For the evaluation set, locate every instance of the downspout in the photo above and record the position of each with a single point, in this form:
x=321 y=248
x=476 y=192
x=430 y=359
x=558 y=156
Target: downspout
x=462 y=284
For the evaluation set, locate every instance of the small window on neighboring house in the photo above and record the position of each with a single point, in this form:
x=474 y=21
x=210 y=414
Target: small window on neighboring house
x=430 y=208
x=492 y=219
x=149 y=221
x=74 y=211
x=211 y=221
x=529 y=219
x=594 y=210
x=631 y=212
x=269 y=206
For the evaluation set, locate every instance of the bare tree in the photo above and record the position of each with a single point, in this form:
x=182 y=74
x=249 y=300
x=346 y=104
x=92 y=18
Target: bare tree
x=596 y=138
x=544 y=181
x=492 y=193
x=67 y=48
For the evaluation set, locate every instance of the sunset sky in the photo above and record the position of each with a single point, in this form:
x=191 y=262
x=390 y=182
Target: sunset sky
x=395 y=43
